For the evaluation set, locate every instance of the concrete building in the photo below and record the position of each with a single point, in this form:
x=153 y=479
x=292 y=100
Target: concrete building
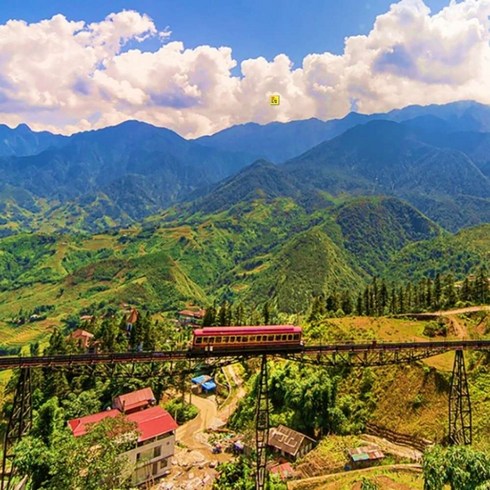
x=156 y=438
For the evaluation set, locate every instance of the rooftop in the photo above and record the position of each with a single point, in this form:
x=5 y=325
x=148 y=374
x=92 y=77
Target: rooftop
x=287 y=440
x=134 y=400
x=365 y=453
x=151 y=422
x=80 y=426
x=79 y=333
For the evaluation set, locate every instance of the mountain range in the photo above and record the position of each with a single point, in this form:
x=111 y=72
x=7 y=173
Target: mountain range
x=434 y=157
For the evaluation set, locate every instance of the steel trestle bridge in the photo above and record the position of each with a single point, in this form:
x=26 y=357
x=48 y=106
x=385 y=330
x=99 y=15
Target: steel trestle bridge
x=349 y=354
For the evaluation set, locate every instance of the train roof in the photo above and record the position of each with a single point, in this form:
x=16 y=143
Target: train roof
x=254 y=329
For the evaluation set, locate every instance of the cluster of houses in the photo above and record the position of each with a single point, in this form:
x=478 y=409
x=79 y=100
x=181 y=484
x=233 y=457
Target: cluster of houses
x=156 y=427
x=156 y=433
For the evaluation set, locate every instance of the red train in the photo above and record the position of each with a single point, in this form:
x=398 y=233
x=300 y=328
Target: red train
x=243 y=338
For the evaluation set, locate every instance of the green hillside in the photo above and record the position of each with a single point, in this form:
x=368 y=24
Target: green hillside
x=264 y=250
x=458 y=254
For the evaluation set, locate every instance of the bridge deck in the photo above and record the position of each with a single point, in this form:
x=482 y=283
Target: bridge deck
x=374 y=353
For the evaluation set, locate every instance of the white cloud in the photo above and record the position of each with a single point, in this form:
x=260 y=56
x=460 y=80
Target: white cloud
x=67 y=76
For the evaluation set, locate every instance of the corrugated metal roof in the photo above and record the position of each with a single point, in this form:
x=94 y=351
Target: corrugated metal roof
x=209 y=385
x=151 y=422
x=135 y=399
x=80 y=426
x=365 y=453
x=287 y=440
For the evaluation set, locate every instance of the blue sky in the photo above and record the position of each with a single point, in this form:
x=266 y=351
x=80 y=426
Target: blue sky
x=200 y=66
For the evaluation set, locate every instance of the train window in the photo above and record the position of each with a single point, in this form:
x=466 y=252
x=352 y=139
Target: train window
x=238 y=338
x=296 y=337
x=232 y=338
x=284 y=337
x=199 y=340
x=245 y=339
x=218 y=340
x=252 y=338
x=270 y=338
x=290 y=337
x=226 y=340
x=211 y=340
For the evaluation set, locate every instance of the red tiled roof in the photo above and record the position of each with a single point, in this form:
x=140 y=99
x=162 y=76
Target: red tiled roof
x=79 y=427
x=135 y=399
x=153 y=422
x=193 y=314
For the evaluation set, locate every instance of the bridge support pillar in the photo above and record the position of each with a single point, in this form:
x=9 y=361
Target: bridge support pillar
x=19 y=425
x=262 y=425
x=460 y=425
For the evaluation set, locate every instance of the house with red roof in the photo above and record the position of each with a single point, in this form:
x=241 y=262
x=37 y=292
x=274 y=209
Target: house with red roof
x=82 y=338
x=134 y=401
x=156 y=440
x=191 y=317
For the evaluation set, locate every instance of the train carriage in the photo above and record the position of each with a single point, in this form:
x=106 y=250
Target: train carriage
x=247 y=337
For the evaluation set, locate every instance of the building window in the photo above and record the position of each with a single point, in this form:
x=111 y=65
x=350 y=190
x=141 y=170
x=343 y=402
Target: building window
x=163 y=464
x=157 y=451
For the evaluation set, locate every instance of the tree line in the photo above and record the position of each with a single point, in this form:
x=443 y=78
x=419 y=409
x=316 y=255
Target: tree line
x=384 y=298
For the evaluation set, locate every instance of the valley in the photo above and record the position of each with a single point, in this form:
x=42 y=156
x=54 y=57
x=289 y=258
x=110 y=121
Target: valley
x=366 y=229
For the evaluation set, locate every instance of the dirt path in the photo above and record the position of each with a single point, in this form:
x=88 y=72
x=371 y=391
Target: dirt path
x=237 y=393
x=460 y=311
x=209 y=415
x=459 y=328
x=208 y=411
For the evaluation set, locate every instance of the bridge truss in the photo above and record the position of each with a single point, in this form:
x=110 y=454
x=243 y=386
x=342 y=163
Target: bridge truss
x=170 y=363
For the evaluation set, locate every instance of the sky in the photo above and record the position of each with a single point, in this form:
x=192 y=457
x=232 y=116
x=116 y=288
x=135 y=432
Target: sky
x=200 y=66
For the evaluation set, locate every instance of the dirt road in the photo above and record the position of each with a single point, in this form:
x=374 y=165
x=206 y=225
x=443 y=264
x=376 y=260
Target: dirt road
x=208 y=411
x=460 y=311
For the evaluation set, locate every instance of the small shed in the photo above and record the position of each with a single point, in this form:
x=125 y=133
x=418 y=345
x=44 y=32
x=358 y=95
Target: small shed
x=204 y=383
x=365 y=456
x=290 y=443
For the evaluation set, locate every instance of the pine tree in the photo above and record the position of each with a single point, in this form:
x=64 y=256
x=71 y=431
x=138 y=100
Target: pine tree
x=223 y=315
x=383 y=298
x=359 y=309
x=209 y=318
x=428 y=293
x=346 y=303
x=450 y=296
x=481 y=286
x=401 y=301
x=265 y=313
x=437 y=292
x=465 y=293
x=393 y=301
